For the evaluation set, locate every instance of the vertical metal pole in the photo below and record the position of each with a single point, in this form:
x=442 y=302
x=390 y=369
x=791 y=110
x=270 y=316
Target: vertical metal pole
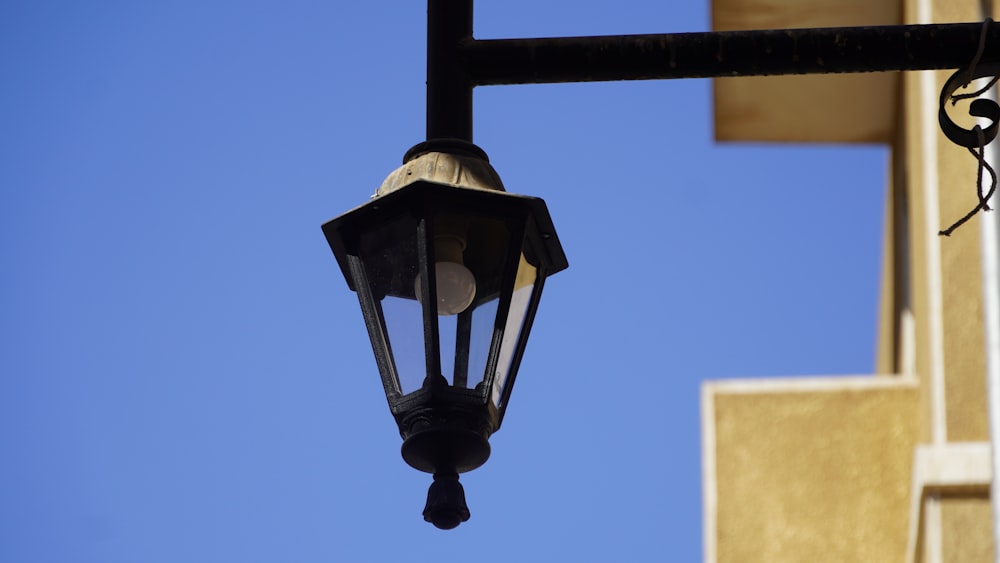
x=449 y=89
x=991 y=306
x=990 y=248
x=990 y=225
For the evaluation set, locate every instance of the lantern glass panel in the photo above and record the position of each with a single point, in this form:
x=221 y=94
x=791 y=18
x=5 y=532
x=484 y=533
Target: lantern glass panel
x=389 y=256
x=524 y=287
x=447 y=336
x=403 y=319
x=484 y=320
x=465 y=339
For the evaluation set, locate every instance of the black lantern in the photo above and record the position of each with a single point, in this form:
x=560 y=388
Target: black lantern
x=449 y=270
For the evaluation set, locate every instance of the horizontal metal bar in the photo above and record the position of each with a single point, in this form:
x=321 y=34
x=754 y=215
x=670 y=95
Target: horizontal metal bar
x=727 y=53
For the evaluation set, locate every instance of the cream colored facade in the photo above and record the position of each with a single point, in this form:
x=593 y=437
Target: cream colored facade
x=894 y=466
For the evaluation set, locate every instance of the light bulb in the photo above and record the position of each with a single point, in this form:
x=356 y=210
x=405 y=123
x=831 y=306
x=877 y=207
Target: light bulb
x=456 y=286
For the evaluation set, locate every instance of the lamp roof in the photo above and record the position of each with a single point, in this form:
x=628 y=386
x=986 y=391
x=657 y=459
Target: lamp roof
x=454 y=163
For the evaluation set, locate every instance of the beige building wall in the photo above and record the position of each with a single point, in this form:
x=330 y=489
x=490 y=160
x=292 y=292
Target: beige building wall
x=889 y=467
x=815 y=469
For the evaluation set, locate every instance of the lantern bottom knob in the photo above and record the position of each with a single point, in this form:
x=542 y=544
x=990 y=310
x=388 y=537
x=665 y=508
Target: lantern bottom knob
x=446 y=507
x=437 y=447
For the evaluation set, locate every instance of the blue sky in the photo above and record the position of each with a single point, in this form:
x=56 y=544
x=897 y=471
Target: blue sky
x=184 y=375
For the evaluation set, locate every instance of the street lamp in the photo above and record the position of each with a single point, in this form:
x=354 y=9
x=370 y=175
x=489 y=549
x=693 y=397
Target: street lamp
x=449 y=269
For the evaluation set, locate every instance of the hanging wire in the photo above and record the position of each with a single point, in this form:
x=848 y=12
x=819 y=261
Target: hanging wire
x=975 y=62
x=980 y=154
x=976 y=139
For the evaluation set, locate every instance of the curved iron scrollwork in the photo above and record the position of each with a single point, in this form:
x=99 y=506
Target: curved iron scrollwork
x=986 y=108
x=976 y=138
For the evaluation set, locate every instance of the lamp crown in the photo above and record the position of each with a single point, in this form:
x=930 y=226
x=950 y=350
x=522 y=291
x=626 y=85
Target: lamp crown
x=447 y=161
